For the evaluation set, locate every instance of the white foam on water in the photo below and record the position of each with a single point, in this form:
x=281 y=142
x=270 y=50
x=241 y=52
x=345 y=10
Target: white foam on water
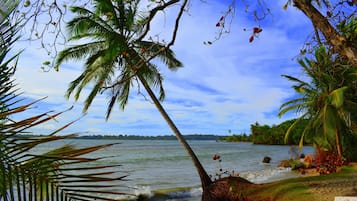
x=196 y=192
x=144 y=191
x=267 y=175
x=192 y=193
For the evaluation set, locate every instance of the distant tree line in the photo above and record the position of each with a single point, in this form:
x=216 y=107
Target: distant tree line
x=260 y=134
x=273 y=135
x=140 y=137
x=238 y=138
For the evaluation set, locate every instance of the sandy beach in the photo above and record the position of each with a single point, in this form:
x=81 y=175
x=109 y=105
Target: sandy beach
x=327 y=190
x=309 y=187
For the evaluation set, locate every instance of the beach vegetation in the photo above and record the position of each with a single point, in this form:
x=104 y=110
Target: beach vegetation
x=275 y=134
x=271 y=134
x=308 y=188
x=324 y=101
x=238 y=138
x=304 y=188
x=61 y=173
x=327 y=99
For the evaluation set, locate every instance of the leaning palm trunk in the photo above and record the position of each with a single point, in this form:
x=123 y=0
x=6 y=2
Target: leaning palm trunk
x=205 y=179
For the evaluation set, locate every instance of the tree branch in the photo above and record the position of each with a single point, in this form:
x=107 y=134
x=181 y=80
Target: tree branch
x=329 y=32
x=152 y=14
x=177 y=22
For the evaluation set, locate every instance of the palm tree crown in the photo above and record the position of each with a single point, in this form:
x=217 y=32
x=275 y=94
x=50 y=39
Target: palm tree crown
x=114 y=56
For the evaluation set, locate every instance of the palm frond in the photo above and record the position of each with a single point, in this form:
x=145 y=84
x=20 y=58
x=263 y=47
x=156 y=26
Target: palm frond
x=153 y=78
x=7 y=7
x=124 y=91
x=297 y=105
x=307 y=131
x=83 y=25
x=106 y=7
x=103 y=75
x=27 y=175
x=78 y=52
x=336 y=97
x=167 y=56
x=296 y=108
x=42 y=169
x=120 y=92
x=293 y=79
x=297 y=121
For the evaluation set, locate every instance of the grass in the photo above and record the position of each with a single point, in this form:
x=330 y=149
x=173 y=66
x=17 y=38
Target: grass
x=282 y=190
x=303 y=188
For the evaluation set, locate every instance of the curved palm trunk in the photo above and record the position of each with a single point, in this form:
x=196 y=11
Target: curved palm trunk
x=205 y=179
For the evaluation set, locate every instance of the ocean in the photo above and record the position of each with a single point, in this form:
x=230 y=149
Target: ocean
x=163 y=166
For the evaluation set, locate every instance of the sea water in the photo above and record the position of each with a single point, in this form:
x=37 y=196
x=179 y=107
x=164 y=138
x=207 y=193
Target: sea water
x=155 y=165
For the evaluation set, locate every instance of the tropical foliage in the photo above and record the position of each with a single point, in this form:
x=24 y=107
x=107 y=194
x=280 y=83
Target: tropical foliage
x=326 y=100
x=237 y=138
x=63 y=173
x=275 y=134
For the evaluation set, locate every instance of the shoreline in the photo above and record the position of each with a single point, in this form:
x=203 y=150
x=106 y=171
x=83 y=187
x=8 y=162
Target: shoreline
x=300 y=187
x=308 y=187
x=193 y=193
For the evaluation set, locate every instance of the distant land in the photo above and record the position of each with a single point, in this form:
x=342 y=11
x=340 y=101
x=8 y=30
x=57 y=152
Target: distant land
x=162 y=137
x=139 y=137
x=260 y=134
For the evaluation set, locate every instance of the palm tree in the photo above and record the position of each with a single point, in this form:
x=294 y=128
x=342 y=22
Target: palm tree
x=59 y=174
x=324 y=100
x=116 y=58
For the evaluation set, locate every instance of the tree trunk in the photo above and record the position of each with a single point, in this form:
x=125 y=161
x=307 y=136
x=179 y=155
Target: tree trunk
x=338 y=143
x=205 y=179
x=331 y=35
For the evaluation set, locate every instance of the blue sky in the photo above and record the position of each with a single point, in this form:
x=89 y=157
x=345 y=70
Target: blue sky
x=225 y=86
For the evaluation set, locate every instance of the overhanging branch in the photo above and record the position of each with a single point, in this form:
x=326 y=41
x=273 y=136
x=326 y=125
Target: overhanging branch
x=151 y=16
x=331 y=35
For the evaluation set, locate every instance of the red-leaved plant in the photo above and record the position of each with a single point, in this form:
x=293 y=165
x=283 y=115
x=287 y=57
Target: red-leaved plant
x=327 y=162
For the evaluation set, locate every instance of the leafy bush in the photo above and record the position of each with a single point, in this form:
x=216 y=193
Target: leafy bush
x=327 y=162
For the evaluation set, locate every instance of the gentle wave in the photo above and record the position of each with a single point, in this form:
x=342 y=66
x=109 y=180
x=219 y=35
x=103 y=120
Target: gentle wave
x=268 y=175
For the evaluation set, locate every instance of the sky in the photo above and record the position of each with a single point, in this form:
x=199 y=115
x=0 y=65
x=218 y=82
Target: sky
x=222 y=89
